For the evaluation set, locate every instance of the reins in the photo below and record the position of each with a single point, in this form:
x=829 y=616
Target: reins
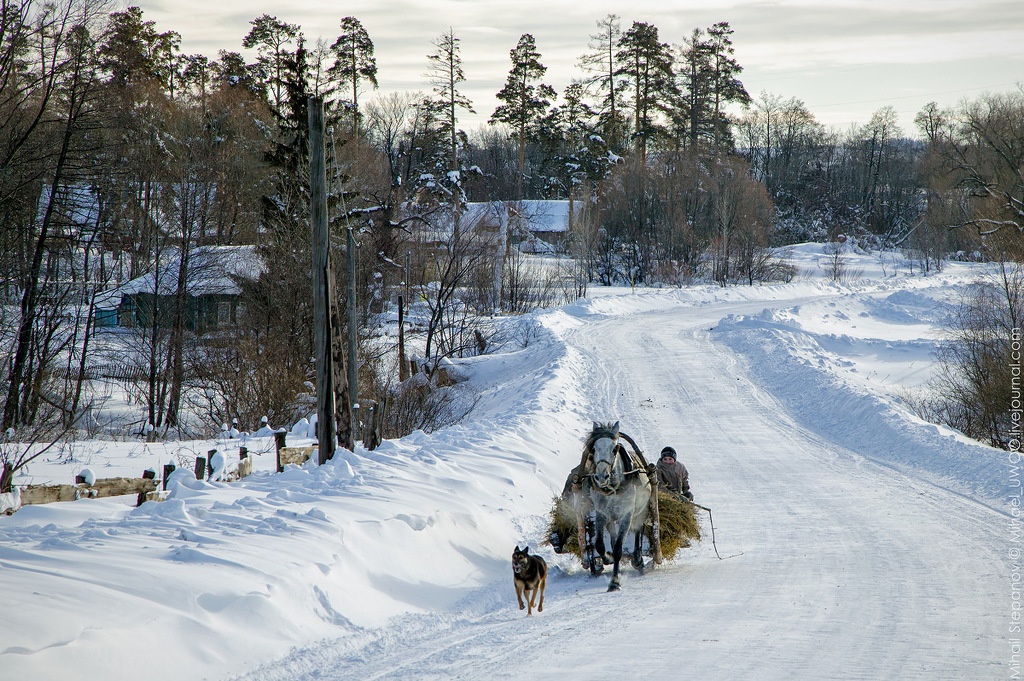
x=608 y=491
x=712 y=521
x=638 y=464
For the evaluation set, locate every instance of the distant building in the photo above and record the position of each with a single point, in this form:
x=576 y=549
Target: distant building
x=76 y=209
x=533 y=226
x=212 y=291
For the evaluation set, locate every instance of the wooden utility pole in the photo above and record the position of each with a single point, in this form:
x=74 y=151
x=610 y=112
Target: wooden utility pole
x=342 y=403
x=353 y=362
x=403 y=363
x=321 y=282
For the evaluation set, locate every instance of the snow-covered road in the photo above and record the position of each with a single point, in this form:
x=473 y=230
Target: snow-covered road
x=859 y=542
x=848 y=570
x=835 y=567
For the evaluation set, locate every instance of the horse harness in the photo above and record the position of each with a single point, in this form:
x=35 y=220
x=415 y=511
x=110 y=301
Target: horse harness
x=632 y=464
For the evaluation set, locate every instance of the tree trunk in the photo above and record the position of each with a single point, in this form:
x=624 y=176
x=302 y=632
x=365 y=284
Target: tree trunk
x=82 y=362
x=6 y=478
x=30 y=297
x=176 y=357
x=403 y=364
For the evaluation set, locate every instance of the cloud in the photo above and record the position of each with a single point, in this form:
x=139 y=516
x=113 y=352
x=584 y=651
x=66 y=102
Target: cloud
x=811 y=47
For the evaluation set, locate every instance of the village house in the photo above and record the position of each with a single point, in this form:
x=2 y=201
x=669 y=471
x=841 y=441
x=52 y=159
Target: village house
x=534 y=226
x=212 y=291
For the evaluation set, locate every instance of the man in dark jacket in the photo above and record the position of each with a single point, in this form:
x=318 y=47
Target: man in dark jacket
x=672 y=475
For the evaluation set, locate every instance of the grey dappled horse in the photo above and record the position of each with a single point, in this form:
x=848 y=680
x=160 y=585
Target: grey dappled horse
x=619 y=493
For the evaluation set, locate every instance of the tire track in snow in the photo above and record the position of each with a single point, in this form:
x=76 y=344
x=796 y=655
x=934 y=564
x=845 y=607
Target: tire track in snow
x=849 y=570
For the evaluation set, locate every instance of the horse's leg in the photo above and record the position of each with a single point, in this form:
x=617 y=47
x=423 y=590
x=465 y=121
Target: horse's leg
x=602 y=548
x=638 y=553
x=581 y=530
x=620 y=536
x=596 y=546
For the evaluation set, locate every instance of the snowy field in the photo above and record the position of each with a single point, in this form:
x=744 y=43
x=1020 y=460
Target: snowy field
x=858 y=542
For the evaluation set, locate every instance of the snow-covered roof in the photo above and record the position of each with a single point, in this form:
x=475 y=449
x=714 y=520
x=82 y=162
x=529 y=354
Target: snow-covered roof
x=213 y=270
x=538 y=215
x=77 y=204
x=544 y=216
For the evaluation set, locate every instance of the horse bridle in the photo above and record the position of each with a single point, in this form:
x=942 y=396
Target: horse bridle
x=617 y=451
x=629 y=469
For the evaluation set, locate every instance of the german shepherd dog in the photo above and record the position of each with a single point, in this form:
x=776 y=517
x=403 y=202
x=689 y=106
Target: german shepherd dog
x=531 y=575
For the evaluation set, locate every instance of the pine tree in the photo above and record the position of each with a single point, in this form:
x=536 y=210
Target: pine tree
x=647 y=64
x=694 y=76
x=602 y=61
x=576 y=154
x=525 y=103
x=196 y=75
x=271 y=39
x=354 y=62
x=445 y=74
x=710 y=79
x=134 y=52
x=230 y=70
x=726 y=87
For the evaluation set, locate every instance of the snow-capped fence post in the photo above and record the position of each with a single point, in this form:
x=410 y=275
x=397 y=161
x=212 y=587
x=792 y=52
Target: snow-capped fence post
x=244 y=463
x=371 y=431
x=366 y=426
x=279 y=444
x=200 y=469
x=168 y=469
x=148 y=474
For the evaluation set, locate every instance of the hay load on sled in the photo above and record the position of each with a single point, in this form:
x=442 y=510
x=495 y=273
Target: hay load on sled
x=614 y=492
x=678 y=529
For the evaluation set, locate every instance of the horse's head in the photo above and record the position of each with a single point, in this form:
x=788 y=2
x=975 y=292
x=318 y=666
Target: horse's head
x=607 y=465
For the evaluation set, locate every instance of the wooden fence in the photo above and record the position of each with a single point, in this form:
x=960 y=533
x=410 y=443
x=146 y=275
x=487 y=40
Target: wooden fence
x=102 y=488
x=146 y=487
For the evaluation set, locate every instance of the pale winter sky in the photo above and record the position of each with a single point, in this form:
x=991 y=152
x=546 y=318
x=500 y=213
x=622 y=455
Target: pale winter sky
x=843 y=58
